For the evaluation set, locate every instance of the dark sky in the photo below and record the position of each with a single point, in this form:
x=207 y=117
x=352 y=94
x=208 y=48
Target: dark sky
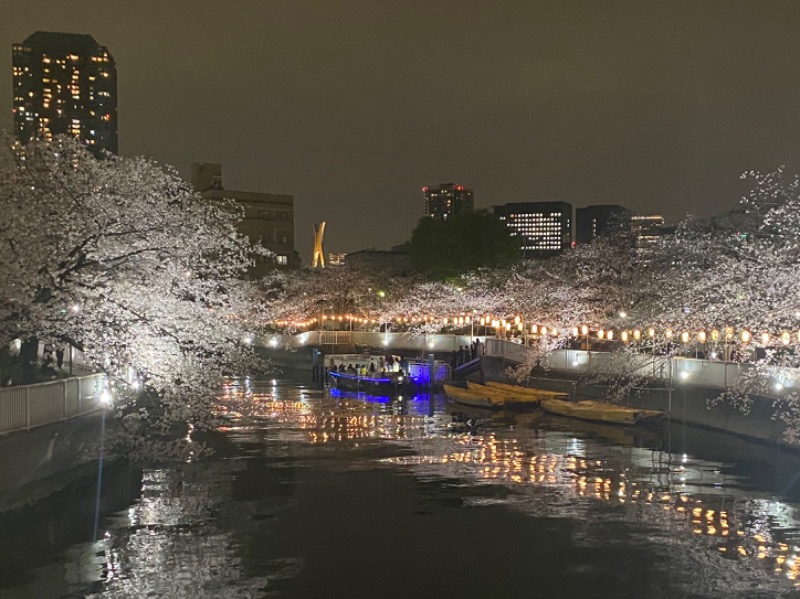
x=353 y=106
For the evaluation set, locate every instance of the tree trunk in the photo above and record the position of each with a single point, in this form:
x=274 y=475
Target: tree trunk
x=29 y=358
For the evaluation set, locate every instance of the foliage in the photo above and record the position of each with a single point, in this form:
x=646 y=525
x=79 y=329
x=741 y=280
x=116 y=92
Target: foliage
x=442 y=249
x=120 y=259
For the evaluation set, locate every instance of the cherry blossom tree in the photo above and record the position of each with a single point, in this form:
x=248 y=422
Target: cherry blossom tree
x=119 y=258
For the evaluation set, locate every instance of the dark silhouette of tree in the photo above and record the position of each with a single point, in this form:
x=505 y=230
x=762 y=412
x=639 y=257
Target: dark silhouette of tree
x=442 y=249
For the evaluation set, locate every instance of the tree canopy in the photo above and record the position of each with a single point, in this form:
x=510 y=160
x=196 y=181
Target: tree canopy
x=465 y=242
x=119 y=258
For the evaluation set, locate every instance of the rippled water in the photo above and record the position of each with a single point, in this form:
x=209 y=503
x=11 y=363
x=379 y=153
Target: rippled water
x=310 y=495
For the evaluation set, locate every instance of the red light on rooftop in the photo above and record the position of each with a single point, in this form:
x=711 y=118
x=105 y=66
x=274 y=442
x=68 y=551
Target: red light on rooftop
x=459 y=188
x=424 y=190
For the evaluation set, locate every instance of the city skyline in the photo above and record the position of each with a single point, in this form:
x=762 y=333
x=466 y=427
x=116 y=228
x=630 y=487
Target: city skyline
x=353 y=109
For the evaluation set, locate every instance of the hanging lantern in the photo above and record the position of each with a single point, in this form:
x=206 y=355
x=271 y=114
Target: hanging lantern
x=637 y=334
x=624 y=336
x=786 y=338
x=685 y=337
x=584 y=330
x=746 y=336
x=701 y=336
x=715 y=335
x=764 y=338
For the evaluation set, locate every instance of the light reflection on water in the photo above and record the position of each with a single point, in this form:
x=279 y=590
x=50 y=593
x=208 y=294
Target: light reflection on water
x=186 y=535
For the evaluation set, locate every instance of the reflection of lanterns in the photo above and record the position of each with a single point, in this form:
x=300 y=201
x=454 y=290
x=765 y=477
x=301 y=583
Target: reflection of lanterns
x=637 y=334
x=685 y=337
x=624 y=335
x=746 y=336
x=764 y=338
x=584 y=330
x=786 y=338
x=701 y=336
x=715 y=335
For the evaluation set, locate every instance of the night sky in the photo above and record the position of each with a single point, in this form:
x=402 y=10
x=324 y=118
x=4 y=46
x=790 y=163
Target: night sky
x=353 y=106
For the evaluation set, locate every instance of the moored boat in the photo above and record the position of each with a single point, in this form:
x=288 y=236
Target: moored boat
x=472 y=398
x=507 y=397
x=389 y=384
x=519 y=390
x=599 y=411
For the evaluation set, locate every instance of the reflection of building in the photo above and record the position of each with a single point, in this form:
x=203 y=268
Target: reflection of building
x=600 y=219
x=545 y=227
x=268 y=217
x=65 y=83
x=446 y=200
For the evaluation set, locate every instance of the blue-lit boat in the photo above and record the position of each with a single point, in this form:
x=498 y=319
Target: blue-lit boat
x=387 y=384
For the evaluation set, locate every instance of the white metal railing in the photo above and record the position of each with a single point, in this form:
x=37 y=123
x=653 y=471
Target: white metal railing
x=675 y=369
x=431 y=343
x=26 y=406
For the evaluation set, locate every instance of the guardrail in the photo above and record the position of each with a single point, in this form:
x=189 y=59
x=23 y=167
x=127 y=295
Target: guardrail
x=426 y=343
x=26 y=406
x=706 y=373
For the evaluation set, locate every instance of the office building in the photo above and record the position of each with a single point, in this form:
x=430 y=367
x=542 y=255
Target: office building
x=545 y=228
x=268 y=217
x=447 y=200
x=600 y=219
x=646 y=230
x=65 y=83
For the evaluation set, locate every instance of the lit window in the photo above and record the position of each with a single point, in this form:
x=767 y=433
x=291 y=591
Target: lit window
x=283 y=260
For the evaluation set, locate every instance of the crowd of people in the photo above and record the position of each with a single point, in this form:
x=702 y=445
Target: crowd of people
x=465 y=354
x=384 y=365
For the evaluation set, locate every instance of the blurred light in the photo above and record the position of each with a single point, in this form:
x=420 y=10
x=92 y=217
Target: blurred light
x=105 y=398
x=746 y=336
x=584 y=330
x=623 y=314
x=684 y=375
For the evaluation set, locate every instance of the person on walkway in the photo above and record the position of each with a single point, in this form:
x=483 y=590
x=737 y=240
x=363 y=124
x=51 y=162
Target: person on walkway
x=60 y=356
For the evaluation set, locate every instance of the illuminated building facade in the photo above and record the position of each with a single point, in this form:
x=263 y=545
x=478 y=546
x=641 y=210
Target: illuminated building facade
x=600 y=219
x=446 y=200
x=647 y=229
x=545 y=228
x=268 y=218
x=65 y=83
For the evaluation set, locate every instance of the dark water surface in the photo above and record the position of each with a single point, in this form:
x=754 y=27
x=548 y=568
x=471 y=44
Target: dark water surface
x=320 y=496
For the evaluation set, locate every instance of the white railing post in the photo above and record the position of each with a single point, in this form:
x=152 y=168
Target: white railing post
x=27 y=410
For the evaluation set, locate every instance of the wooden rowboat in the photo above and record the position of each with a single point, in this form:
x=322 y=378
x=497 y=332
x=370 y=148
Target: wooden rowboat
x=519 y=390
x=599 y=411
x=508 y=398
x=472 y=398
x=554 y=402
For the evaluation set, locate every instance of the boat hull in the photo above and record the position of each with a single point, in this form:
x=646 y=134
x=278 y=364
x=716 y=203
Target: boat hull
x=472 y=399
x=389 y=385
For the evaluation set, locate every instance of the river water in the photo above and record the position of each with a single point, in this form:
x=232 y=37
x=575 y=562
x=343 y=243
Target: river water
x=314 y=495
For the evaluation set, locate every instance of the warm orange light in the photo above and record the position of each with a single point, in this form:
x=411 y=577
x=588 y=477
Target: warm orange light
x=701 y=336
x=637 y=334
x=584 y=330
x=746 y=336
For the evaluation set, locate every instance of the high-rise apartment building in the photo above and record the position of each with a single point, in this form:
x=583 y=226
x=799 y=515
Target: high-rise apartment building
x=600 y=219
x=65 y=83
x=545 y=228
x=447 y=200
x=268 y=217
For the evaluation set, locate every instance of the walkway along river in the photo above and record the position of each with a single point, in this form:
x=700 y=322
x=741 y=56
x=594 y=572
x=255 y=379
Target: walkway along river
x=320 y=495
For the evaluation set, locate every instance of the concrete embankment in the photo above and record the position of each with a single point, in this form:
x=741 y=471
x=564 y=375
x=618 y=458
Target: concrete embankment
x=692 y=404
x=45 y=459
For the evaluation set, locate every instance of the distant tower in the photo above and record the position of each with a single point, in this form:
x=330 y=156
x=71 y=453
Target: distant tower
x=319 y=253
x=65 y=83
x=446 y=200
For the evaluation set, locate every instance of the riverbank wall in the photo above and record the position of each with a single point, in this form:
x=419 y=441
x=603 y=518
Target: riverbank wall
x=685 y=402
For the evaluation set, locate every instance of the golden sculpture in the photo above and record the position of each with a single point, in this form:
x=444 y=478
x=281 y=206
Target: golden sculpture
x=319 y=253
